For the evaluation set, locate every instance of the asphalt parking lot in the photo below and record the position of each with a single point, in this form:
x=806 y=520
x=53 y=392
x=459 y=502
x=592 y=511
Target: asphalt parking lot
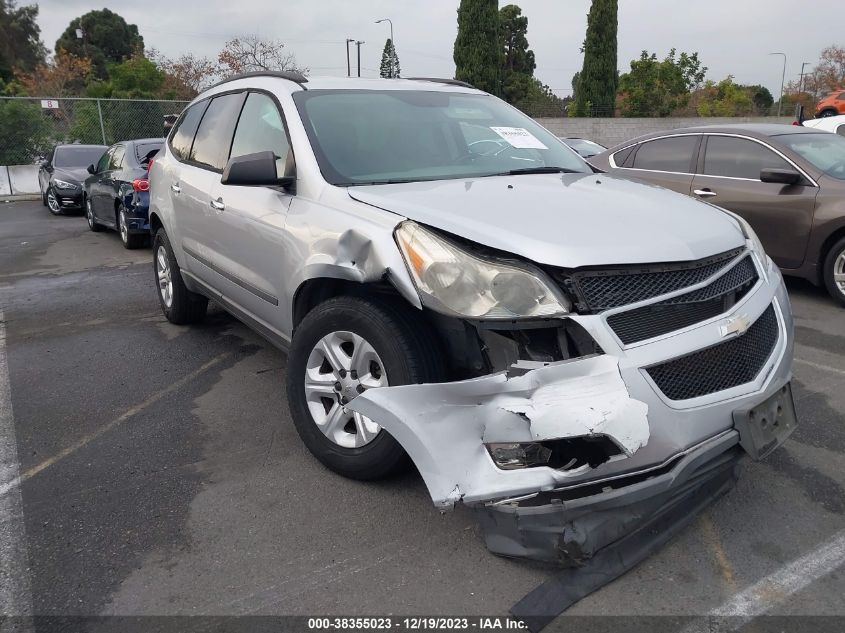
x=159 y=472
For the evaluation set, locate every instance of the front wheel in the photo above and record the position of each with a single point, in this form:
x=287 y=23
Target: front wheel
x=827 y=113
x=130 y=240
x=89 y=215
x=53 y=201
x=179 y=305
x=834 y=271
x=343 y=347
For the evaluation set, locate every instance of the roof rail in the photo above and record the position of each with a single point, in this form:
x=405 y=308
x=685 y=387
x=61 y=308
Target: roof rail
x=451 y=82
x=279 y=74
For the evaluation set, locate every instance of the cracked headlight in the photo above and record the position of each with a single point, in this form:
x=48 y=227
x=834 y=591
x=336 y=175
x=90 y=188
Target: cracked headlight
x=453 y=281
x=63 y=184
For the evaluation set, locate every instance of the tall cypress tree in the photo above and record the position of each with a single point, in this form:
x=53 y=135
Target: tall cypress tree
x=389 y=61
x=596 y=91
x=477 y=46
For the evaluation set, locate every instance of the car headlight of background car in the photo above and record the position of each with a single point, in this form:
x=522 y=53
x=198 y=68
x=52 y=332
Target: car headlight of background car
x=64 y=184
x=453 y=281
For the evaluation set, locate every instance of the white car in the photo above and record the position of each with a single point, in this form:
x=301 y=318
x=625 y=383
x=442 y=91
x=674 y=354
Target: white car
x=835 y=124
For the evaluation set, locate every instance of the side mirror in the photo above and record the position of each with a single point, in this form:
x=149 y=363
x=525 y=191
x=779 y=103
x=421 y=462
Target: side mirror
x=254 y=170
x=780 y=176
x=92 y=170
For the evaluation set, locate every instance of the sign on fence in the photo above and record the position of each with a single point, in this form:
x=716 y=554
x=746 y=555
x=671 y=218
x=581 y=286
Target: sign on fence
x=50 y=104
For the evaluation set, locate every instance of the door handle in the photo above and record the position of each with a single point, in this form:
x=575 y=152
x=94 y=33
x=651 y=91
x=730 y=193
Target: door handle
x=705 y=193
x=217 y=204
x=176 y=188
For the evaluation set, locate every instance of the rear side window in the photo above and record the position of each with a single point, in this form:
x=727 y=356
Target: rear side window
x=143 y=150
x=260 y=129
x=739 y=158
x=620 y=157
x=666 y=154
x=214 y=135
x=183 y=133
x=841 y=97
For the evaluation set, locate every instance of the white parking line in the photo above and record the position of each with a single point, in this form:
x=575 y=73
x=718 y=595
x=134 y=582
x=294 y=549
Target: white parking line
x=809 y=363
x=15 y=591
x=772 y=590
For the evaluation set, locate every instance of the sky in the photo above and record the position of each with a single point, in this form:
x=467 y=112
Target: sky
x=731 y=36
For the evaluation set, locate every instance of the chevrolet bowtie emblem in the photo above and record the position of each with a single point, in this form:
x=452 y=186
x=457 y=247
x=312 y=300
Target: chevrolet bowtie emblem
x=735 y=325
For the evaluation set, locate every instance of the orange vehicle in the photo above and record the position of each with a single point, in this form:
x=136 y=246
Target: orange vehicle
x=832 y=104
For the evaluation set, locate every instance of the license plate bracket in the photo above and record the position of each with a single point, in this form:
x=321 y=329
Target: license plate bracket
x=765 y=426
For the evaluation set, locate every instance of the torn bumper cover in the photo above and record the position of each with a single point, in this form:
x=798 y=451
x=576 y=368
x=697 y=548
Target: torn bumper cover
x=445 y=427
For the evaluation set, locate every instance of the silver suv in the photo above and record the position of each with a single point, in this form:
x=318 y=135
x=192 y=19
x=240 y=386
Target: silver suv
x=569 y=354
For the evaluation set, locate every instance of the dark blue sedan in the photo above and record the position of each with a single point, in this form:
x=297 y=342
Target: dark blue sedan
x=117 y=191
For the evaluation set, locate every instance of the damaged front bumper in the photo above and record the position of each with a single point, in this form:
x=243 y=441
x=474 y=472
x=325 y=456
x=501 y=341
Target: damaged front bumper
x=670 y=452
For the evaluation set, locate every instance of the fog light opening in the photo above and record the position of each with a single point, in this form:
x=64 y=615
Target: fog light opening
x=569 y=453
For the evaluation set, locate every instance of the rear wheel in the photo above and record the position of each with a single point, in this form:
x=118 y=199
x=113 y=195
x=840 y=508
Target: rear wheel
x=130 y=240
x=834 y=271
x=179 y=305
x=343 y=347
x=826 y=113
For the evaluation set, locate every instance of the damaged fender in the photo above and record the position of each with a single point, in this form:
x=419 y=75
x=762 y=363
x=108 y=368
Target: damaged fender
x=444 y=427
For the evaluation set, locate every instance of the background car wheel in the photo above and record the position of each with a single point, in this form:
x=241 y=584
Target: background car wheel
x=834 y=271
x=53 y=202
x=130 y=240
x=827 y=113
x=44 y=198
x=343 y=347
x=89 y=216
x=180 y=305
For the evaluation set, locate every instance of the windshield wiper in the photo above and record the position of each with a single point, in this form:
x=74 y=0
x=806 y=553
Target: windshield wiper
x=540 y=170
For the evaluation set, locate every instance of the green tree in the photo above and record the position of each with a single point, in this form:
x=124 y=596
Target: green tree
x=477 y=53
x=725 y=99
x=21 y=49
x=596 y=92
x=24 y=132
x=106 y=38
x=658 y=88
x=761 y=98
x=518 y=63
x=389 y=61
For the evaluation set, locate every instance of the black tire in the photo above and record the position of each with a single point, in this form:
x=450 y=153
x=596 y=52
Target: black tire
x=832 y=263
x=403 y=341
x=47 y=194
x=44 y=198
x=89 y=217
x=826 y=113
x=185 y=306
x=129 y=240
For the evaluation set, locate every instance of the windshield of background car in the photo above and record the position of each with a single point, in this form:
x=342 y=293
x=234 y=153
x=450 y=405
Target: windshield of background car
x=69 y=156
x=824 y=150
x=377 y=137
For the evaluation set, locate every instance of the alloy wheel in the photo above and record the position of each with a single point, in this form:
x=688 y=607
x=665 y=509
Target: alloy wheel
x=839 y=272
x=124 y=231
x=163 y=274
x=52 y=202
x=341 y=366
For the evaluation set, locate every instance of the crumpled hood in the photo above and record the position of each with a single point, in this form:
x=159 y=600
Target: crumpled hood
x=76 y=175
x=567 y=220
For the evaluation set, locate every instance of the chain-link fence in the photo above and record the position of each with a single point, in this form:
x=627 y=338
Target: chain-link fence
x=29 y=127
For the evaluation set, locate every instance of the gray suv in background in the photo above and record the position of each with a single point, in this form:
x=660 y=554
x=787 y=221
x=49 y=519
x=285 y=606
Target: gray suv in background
x=570 y=354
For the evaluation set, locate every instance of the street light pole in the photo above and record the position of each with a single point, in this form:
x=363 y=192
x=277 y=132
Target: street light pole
x=348 y=66
x=388 y=20
x=782 y=82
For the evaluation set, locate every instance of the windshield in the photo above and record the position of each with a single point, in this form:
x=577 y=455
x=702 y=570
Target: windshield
x=70 y=156
x=826 y=151
x=584 y=147
x=377 y=137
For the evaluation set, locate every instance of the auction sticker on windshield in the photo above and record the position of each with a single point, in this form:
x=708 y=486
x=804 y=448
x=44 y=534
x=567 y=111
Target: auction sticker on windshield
x=519 y=137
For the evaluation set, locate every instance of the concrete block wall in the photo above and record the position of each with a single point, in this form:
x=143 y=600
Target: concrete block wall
x=610 y=132
x=19 y=180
